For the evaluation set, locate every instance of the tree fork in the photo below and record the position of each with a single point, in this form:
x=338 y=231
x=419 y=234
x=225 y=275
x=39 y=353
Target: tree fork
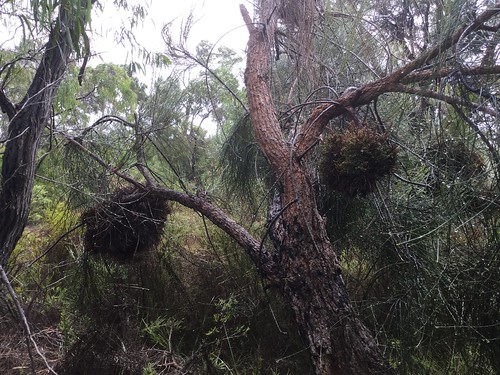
x=310 y=276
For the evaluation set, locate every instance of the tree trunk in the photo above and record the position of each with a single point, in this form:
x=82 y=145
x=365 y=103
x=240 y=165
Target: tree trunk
x=26 y=125
x=309 y=272
x=305 y=267
x=311 y=280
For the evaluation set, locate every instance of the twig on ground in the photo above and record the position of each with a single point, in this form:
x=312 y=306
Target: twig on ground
x=22 y=316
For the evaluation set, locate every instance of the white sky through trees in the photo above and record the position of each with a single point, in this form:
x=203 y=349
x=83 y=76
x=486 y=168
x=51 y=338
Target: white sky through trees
x=217 y=21
x=214 y=19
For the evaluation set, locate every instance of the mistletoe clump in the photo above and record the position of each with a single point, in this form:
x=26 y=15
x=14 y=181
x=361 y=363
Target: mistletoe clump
x=130 y=222
x=355 y=159
x=454 y=158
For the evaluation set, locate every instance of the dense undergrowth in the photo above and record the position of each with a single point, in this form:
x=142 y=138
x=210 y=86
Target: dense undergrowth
x=194 y=305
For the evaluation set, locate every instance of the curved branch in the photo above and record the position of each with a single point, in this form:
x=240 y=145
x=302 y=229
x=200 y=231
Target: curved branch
x=104 y=120
x=260 y=255
x=321 y=115
x=200 y=203
x=453 y=100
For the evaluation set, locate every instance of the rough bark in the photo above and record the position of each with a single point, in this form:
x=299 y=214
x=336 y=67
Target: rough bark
x=261 y=256
x=26 y=124
x=309 y=272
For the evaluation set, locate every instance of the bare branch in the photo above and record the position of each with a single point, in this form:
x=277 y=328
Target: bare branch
x=446 y=44
x=429 y=74
x=179 y=50
x=259 y=254
x=486 y=141
x=320 y=116
x=100 y=161
x=453 y=100
x=22 y=316
x=200 y=203
x=140 y=154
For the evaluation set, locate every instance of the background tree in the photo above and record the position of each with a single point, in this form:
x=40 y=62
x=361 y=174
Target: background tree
x=28 y=118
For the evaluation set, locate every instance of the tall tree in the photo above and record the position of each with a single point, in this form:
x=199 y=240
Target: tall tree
x=307 y=266
x=28 y=118
x=303 y=264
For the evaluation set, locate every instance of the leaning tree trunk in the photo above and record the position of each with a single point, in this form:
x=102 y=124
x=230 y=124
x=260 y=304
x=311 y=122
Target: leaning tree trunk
x=309 y=272
x=26 y=124
x=311 y=280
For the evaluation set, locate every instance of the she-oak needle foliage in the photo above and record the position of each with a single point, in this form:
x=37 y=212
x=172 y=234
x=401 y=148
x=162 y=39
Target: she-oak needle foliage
x=406 y=182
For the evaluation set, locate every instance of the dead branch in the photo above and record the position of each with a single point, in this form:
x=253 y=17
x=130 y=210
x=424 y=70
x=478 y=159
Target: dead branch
x=24 y=321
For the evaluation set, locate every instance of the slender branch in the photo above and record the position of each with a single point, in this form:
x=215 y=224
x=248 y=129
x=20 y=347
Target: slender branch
x=321 y=115
x=165 y=157
x=22 y=316
x=453 y=100
x=201 y=204
x=101 y=162
x=429 y=74
x=486 y=141
x=217 y=78
x=106 y=119
x=401 y=178
x=446 y=44
x=61 y=237
x=181 y=51
x=140 y=154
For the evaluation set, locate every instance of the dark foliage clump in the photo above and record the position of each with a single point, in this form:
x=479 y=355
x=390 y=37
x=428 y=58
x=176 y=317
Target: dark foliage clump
x=454 y=158
x=130 y=222
x=355 y=159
